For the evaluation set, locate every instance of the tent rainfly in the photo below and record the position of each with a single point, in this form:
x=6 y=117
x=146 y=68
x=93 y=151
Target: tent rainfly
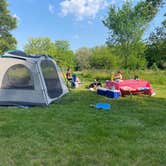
x=29 y=79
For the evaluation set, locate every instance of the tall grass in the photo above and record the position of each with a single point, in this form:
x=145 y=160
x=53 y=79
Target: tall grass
x=154 y=77
x=96 y=74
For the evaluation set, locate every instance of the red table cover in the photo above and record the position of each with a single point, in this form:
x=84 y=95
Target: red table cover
x=131 y=86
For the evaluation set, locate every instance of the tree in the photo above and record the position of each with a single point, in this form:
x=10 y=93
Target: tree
x=127 y=24
x=99 y=57
x=7 y=23
x=64 y=55
x=43 y=45
x=40 y=45
x=156 y=47
x=62 y=45
x=65 y=58
x=102 y=58
x=83 y=57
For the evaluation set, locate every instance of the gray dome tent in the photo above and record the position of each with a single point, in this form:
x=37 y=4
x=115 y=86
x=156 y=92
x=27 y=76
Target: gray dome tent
x=29 y=79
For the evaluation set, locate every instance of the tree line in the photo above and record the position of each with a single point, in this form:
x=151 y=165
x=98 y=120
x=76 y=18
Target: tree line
x=124 y=46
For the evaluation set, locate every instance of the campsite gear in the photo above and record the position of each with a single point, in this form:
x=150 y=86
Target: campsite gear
x=29 y=79
x=104 y=106
x=74 y=84
x=128 y=87
x=111 y=93
x=102 y=91
x=95 y=85
x=75 y=81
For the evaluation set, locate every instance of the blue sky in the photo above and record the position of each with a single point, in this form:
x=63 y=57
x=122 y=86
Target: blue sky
x=78 y=21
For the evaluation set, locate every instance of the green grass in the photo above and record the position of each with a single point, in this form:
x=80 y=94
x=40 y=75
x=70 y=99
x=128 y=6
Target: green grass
x=70 y=132
x=155 y=77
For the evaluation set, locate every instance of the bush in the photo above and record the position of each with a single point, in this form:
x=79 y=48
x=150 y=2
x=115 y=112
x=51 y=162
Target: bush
x=154 y=67
x=135 y=62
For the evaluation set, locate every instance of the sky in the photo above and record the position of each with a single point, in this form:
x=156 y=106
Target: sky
x=77 y=21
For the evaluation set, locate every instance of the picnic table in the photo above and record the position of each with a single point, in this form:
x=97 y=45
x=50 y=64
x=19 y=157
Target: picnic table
x=131 y=86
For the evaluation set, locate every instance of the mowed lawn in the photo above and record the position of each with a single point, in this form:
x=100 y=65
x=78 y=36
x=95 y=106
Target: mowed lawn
x=70 y=132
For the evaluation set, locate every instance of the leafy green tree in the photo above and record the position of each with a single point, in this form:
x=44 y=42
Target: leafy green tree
x=83 y=57
x=156 y=47
x=40 y=45
x=7 y=23
x=127 y=24
x=64 y=57
x=136 y=62
x=102 y=58
x=62 y=45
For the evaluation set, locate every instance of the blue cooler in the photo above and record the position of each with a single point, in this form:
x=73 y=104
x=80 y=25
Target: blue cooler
x=113 y=94
x=102 y=91
x=73 y=82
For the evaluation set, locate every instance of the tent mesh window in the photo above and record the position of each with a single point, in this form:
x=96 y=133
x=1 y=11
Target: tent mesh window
x=53 y=84
x=18 y=77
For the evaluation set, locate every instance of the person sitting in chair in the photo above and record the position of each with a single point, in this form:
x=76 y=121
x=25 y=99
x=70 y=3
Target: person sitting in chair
x=72 y=78
x=69 y=74
x=118 y=76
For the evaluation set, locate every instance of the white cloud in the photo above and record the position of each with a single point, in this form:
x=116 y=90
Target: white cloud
x=82 y=8
x=51 y=8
